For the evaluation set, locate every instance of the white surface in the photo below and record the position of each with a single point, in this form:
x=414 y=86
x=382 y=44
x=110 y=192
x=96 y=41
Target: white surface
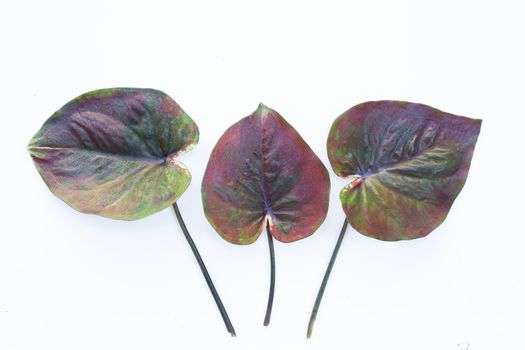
x=74 y=281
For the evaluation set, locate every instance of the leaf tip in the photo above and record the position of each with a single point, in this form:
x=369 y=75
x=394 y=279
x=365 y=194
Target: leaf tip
x=262 y=109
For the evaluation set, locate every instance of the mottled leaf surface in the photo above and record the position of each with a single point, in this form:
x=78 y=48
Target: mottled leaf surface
x=408 y=162
x=262 y=169
x=112 y=152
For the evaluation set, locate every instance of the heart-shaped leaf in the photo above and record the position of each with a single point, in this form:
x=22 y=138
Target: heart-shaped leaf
x=410 y=161
x=261 y=172
x=407 y=163
x=262 y=169
x=112 y=152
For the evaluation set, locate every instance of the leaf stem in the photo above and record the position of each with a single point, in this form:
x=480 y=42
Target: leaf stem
x=272 y=276
x=325 y=280
x=205 y=273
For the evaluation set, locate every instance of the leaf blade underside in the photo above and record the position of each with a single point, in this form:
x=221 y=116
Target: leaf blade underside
x=412 y=160
x=111 y=152
x=261 y=168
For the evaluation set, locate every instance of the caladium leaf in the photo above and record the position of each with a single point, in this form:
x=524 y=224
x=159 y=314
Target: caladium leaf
x=261 y=172
x=262 y=169
x=409 y=163
x=112 y=152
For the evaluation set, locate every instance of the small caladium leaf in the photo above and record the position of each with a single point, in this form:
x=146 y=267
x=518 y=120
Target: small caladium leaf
x=261 y=172
x=409 y=162
x=112 y=152
x=262 y=169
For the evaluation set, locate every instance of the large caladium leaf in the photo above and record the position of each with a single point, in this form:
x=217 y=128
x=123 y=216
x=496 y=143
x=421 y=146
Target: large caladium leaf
x=112 y=152
x=408 y=163
x=262 y=169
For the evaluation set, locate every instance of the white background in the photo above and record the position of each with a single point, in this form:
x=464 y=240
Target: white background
x=75 y=281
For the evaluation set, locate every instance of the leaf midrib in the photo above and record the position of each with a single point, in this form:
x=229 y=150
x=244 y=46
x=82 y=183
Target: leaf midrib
x=146 y=159
x=369 y=173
